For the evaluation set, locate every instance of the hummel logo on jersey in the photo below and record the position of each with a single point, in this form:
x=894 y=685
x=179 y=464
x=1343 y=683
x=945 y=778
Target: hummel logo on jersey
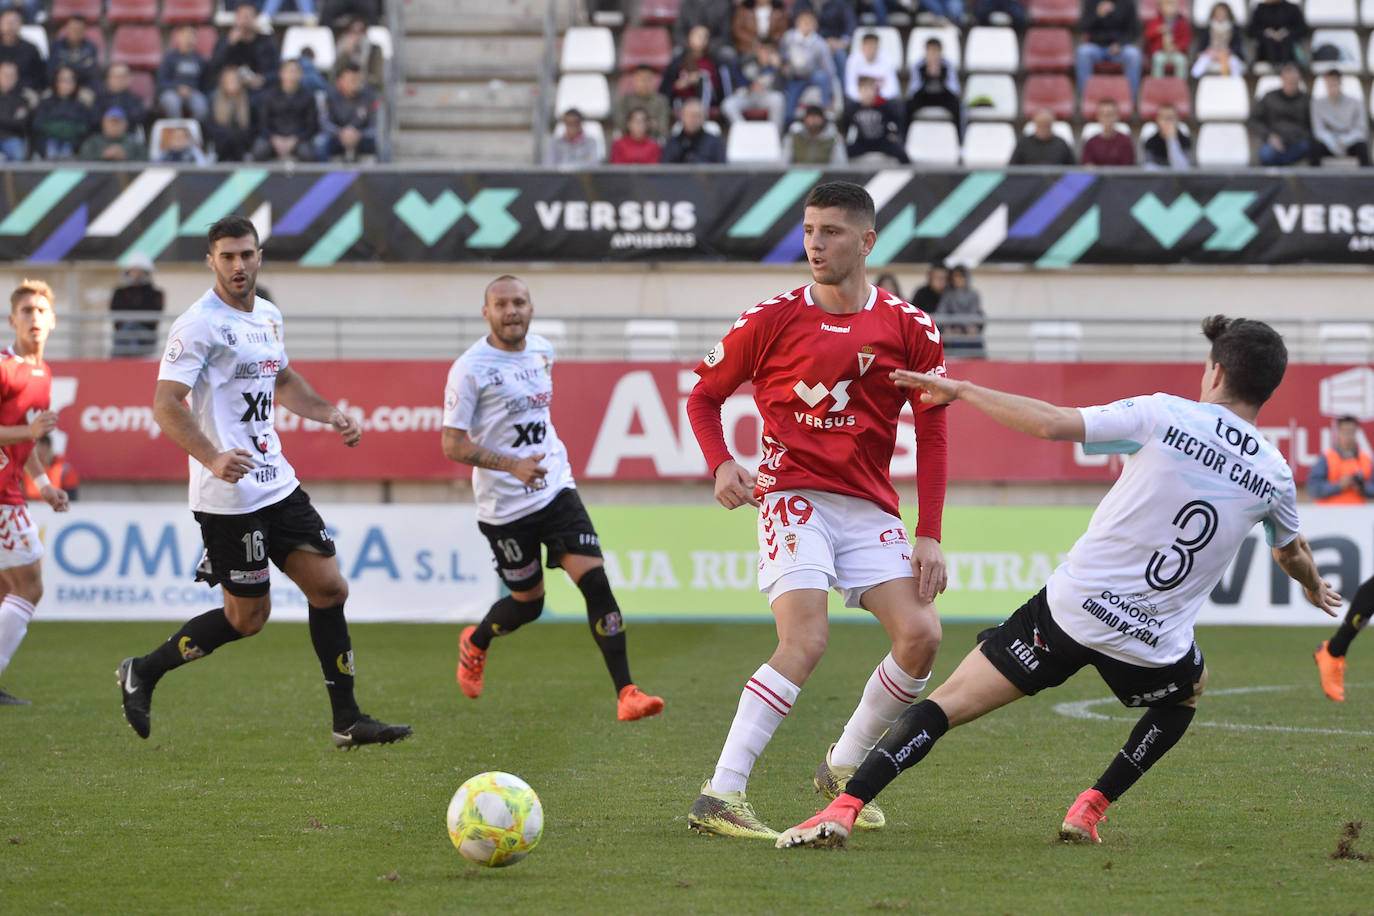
x=530 y=433
x=814 y=394
x=834 y=328
x=259 y=407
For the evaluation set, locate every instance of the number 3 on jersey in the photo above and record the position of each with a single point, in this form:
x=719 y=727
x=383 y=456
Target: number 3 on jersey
x=1184 y=546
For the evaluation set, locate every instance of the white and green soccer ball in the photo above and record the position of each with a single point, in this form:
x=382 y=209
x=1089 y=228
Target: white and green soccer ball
x=495 y=819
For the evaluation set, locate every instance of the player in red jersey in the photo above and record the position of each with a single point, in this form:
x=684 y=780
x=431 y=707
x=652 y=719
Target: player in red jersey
x=24 y=418
x=819 y=358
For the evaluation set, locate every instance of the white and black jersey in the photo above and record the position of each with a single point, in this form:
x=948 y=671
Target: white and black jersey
x=230 y=360
x=503 y=399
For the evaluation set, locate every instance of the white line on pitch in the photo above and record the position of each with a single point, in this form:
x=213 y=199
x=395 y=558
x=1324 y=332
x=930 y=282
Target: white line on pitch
x=1082 y=710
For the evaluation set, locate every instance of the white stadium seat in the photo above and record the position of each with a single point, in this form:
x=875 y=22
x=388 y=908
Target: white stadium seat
x=1060 y=129
x=1267 y=84
x=651 y=339
x=380 y=36
x=1343 y=342
x=157 y=136
x=318 y=38
x=1350 y=85
x=933 y=143
x=1055 y=341
x=753 y=141
x=1000 y=89
x=1221 y=98
x=1330 y=12
x=992 y=49
x=37 y=36
x=889 y=43
x=949 y=41
x=587 y=49
x=988 y=145
x=555 y=330
x=1346 y=41
x=593 y=129
x=1367 y=13
x=587 y=92
x=1222 y=145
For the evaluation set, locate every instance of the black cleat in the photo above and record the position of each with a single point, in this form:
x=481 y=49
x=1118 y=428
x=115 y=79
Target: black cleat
x=9 y=699
x=368 y=730
x=137 y=699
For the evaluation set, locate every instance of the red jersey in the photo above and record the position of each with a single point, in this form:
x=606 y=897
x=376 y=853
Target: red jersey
x=24 y=391
x=821 y=385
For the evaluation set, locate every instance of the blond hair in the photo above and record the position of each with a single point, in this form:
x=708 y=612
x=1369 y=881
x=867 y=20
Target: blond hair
x=28 y=288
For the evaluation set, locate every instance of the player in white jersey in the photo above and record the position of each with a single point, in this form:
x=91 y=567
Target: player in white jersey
x=497 y=419
x=1196 y=479
x=227 y=354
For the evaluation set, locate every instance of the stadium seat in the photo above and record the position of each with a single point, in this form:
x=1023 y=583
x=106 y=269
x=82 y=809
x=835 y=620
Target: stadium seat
x=889 y=42
x=1054 y=12
x=1221 y=98
x=988 y=145
x=144 y=85
x=380 y=36
x=587 y=49
x=651 y=339
x=555 y=330
x=933 y=143
x=997 y=88
x=1267 y=84
x=594 y=129
x=1221 y=145
x=37 y=36
x=318 y=38
x=587 y=92
x=1048 y=90
x=1345 y=342
x=1367 y=13
x=156 y=136
x=1343 y=40
x=207 y=36
x=139 y=46
x=949 y=42
x=1149 y=9
x=123 y=12
x=1060 y=129
x=753 y=141
x=1203 y=8
x=187 y=12
x=992 y=49
x=1321 y=13
x=1048 y=51
x=1056 y=341
x=1165 y=90
x=1106 y=86
x=658 y=12
x=645 y=46
x=90 y=10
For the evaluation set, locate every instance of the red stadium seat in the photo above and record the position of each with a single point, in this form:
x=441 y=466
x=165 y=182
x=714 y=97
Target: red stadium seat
x=207 y=36
x=143 y=84
x=139 y=46
x=641 y=46
x=1054 y=12
x=187 y=12
x=1106 y=87
x=127 y=11
x=90 y=10
x=1048 y=50
x=1048 y=90
x=1165 y=90
x=658 y=12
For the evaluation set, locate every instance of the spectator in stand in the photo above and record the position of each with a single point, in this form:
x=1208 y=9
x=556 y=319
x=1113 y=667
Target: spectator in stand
x=1109 y=30
x=835 y=22
x=58 y=469
x=16 y=107
x=755 y=21
x=246 y=49
x=871 y=125
x=113 y=143
x=1344 y=473
x=115 y=93
x=927 y=298
x=62 y=120
x=1338 y=122
x=806 y=62
x=762 y=90
x=868 y=62
x=31 y=10
x=1282 y=121
x=1168 y=37
x=1276 y=27
x=136 y=336
x=337 y=13
x=273 y=8
x=33 y=73
x=231 y=129
x=889 y=283
x=1001 y=12
x=73 y=49
x=1111 y=147
x=716 y=15
x=1219 y=47
x=643 y=94
x=349 y=122
x=695 y=73
x=311 y=77
x=179 y=147
x=935 y=84
x=635 y=146
x=181 y=78
x=355 y=47
x=951 y=11
x=693 y=144
x=1170 y=147
x=288 y=118
x=961 y=308
x=575 y=147
x=1042 y=146
x=875 y=8
x=814 y=141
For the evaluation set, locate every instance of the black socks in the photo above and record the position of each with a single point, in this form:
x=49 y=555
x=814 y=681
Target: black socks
x=608 y=629
x=904 y=745
x=1157 y=731
x=1361 y=606
x=506 y=616
x=329 y=634
x=197 y=637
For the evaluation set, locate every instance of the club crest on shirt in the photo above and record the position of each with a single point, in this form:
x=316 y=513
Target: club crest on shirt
x=174 y=350
x=230 y=338
x=866 y=357
x=789 y=540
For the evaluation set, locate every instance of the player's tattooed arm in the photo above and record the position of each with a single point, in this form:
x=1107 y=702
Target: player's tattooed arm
x=458 y=446
x=1295 y=558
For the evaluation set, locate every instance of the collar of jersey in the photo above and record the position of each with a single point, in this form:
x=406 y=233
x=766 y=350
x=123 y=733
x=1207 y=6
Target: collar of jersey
x=868 y=306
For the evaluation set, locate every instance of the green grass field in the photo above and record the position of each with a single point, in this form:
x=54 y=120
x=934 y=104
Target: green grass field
x=239 y=803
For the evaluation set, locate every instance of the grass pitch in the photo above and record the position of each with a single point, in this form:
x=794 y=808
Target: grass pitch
x=239 y=803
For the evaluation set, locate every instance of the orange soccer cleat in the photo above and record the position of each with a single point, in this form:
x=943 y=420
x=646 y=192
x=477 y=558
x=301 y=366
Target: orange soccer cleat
x=1080 y=824
x=634 y=703
x=471 y=662
x=830 y=826
x=1332 y=669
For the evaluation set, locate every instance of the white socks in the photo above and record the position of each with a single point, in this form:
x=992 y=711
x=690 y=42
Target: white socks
x=887 y=695
x=764 y=702
x=15 y=614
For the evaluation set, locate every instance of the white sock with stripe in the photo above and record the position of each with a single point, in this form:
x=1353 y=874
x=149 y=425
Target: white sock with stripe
x=887 y=695
x=763 y=704
x=15 y=614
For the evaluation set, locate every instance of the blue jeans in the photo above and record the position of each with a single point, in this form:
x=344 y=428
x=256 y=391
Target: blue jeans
x=271 y=8
x=878 y=8
x=793 y=90
x=953 y=10
x=1089 y=55
x=1292 y=152
x=192 y=106
x=328 y=146
x=59 y=149
x=14 y=149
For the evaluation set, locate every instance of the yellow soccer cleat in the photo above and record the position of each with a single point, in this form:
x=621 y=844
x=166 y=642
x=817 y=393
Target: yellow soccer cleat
x=727 y=814
x=831 y=782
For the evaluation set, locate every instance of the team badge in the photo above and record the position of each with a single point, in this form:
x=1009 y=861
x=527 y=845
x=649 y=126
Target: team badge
x=174 y=350
x=450 y=399
x=789 y=540
x=866 y=357
x=230 y=338
x=715 y=354
x=189 y=651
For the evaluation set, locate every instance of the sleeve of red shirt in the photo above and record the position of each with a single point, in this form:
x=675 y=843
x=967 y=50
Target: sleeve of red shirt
x=723 y=370
x=932 y=470
x=703 y=410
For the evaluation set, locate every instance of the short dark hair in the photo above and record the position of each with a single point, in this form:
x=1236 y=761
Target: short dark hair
x=350 y=67
x=869 y=36
x=1347 y=418
x=230 y=227
x=936 y=42
x=1251 y=353
x=849 y=197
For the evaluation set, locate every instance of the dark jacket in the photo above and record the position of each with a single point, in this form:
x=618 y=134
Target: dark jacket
x=694 y=148
x=288 y=114
x=1289 y=117
x=1157 y=152
x=179 y=69
x=33 y=73
x=16 y=108
x=339 y=111
x=1120 y=26
x=258 y=55
x=130 y=101
x=715 y=82
x=834 y=18
x=716 y=15
x=66 y=119
x=83 y=58
x=1281 y=15
x=1032 y=150
x=870 y=122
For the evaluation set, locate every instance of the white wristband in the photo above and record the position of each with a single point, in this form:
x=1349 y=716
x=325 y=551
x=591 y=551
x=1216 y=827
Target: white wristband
x=42 y=481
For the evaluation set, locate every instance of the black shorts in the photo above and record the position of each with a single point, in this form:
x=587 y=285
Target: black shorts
x=237 y=547
x=562 y=526
x=1033 y=653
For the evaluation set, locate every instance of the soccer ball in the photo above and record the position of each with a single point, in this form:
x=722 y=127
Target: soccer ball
x=495 y=819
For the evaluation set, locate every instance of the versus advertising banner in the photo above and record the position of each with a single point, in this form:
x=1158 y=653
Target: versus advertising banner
x=1050 y=219
x=628 y=421
x=134 y=561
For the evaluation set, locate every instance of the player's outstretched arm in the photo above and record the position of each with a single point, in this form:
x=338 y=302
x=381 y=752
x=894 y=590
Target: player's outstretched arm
x=1026 y=415
x=294 y=393
x=53 y=496
x=1295 y=558
x=174 y=418
x=40 y=426
x=458 y=446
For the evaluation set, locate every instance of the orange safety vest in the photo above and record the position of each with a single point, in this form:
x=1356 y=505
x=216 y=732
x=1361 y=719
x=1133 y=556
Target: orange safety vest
x=57 y=473
x=1338 y=466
